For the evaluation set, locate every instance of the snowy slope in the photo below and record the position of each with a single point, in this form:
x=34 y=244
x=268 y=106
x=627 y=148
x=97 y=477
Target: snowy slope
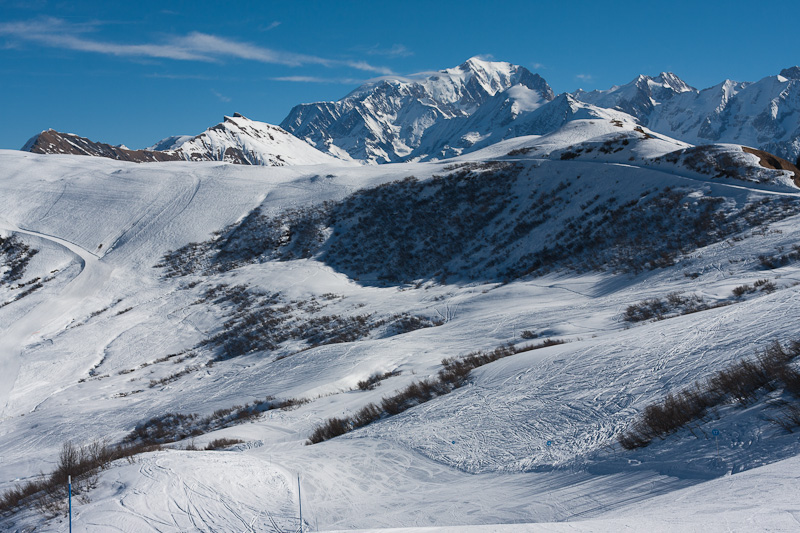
x=111 y=341
x=385 y=120
x=514 y=113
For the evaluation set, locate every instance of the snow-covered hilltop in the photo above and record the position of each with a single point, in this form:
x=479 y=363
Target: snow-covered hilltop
x=240 y=140
x=236 y=139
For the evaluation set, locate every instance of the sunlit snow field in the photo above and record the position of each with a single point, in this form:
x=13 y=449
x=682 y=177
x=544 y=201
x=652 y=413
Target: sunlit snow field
x=529 y=442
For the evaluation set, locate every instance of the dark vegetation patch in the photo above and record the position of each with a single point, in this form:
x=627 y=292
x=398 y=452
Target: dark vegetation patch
x=780 y=257
x=222 y=443
x=650 y=232
x=177 y=357
x=453 y=374
x=674 y=304
x=742 y=382
x=473 y=224
x=522 y=151
x=172 y=427
x=262 y=321
x=14 y=258
x=763 y=285
x=375 y=379
x=48 y=492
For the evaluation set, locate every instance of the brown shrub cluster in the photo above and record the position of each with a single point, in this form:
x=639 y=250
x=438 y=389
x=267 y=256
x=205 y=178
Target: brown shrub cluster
x=741 y=382
x=48 y=492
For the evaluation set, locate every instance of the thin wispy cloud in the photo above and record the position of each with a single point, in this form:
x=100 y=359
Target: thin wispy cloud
x=396 y=50
x=222 y=97
x=181 y=76
x=537 y=66
x=316 y=79
x=195 y=46
x=585 y=77
x=269 y=27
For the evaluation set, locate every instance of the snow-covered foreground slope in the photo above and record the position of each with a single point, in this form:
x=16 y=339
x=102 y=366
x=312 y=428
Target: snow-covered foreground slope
x=282 y=259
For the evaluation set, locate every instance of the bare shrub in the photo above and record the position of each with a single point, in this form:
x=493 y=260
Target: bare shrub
x=789 y=419
x=172 y=427
x=741 y=382
x=375 y=380
x=218 y=444
x=81 y=463
x=675 y=304
x=333 y=427
x=741 y=290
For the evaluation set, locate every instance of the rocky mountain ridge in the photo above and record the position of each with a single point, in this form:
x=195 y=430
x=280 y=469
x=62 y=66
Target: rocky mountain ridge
x=236 y=139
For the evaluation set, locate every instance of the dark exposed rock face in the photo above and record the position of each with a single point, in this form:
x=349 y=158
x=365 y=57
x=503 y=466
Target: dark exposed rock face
x=54 y=142
x=792 y=73
x=768 y=160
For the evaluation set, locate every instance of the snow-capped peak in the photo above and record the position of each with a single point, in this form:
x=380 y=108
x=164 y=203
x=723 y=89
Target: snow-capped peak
x=670 y=80
x=386 y=119
x=238 y=139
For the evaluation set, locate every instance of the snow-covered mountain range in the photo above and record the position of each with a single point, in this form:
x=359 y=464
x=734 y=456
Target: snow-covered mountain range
x=387 y=120
x=437 y=115
x=763 y=114
x=403 y=120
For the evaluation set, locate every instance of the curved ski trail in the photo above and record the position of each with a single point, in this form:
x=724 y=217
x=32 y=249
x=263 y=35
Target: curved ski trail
x=45 y=316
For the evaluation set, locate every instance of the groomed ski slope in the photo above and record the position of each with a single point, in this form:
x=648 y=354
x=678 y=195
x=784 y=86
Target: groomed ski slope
x=530 y=440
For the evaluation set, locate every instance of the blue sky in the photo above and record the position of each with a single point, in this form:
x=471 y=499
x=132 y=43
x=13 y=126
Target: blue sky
x=135 y=72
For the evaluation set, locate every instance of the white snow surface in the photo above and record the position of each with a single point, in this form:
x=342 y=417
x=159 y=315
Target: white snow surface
x=527 y=445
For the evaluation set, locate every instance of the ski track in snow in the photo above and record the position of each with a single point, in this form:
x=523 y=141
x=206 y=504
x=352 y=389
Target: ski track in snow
x=49 y=314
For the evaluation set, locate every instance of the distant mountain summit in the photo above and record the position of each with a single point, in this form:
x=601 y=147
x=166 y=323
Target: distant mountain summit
x=236 y=139
x=639 y=97
x=386 y=120
x=792 y=73
x=763 y=114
